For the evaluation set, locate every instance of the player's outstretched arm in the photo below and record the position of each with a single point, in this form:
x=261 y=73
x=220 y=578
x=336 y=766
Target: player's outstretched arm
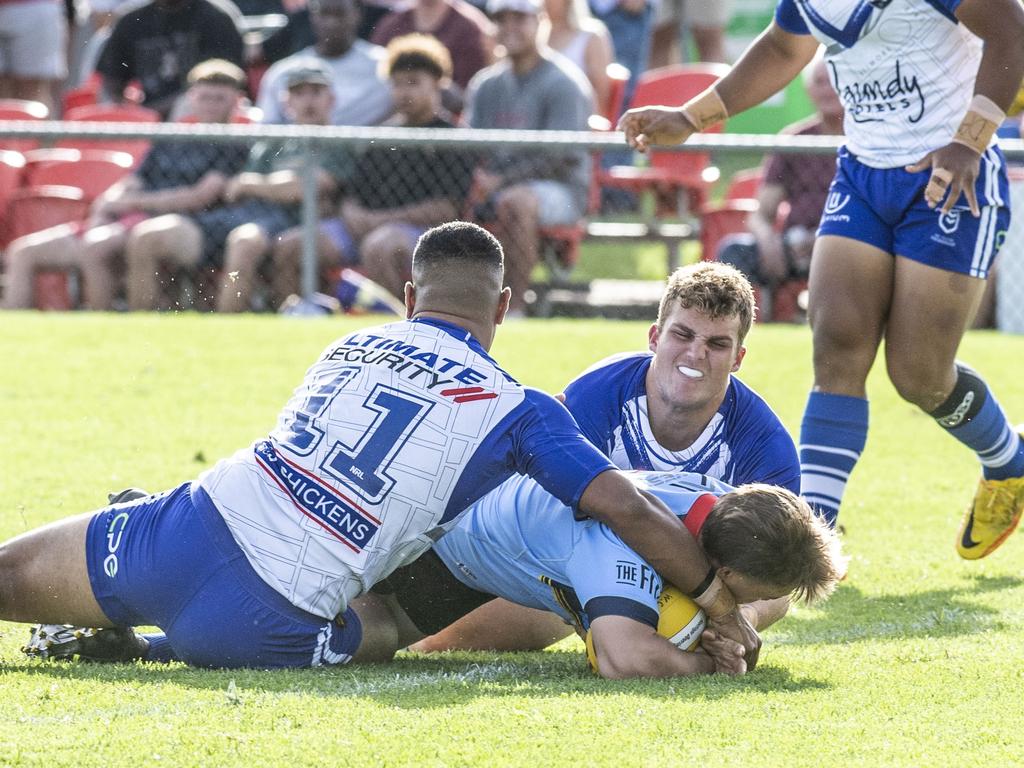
x=627 y=648
x=650 y=529
x=767 y=66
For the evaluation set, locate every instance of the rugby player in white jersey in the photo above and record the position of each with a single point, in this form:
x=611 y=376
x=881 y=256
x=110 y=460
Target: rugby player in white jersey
x=522 y=543
x=915 y=215
x=677 y=407
x=394 y=432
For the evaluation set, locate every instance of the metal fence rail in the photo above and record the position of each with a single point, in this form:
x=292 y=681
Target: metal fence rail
x=447 y=142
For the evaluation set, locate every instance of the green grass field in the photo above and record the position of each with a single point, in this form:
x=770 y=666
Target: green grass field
x=917 y=660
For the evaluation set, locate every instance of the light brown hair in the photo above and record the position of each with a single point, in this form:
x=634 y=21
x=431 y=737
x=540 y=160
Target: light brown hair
x=773 y=536
x=718 y=290
x=418 y=53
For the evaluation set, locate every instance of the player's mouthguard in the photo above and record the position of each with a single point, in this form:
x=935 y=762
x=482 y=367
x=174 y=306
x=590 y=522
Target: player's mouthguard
x=690 y=373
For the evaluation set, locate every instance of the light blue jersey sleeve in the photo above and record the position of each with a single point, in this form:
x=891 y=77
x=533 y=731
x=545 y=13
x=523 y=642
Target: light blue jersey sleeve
x=520 y=543
x=610 y=579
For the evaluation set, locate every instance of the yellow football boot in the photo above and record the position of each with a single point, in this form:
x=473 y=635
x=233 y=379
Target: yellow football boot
x=993 y=515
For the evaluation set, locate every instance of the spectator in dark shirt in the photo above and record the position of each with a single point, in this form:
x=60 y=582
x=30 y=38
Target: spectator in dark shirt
x=159 y=42
x=396 y=193
x=769 y=254
x=178 y=176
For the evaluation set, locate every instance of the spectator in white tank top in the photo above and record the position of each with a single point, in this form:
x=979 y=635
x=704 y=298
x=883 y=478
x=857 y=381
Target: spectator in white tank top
x=572 y=31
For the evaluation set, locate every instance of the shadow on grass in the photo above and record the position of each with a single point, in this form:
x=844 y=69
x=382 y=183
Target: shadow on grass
x=851 y=616
x=416 y=681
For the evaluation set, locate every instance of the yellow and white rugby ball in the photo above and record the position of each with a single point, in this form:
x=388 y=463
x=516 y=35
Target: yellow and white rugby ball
x=680 y=621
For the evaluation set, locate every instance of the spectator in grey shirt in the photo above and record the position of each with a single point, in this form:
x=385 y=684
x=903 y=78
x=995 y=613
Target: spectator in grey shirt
x=361 y=93
x=521 y=190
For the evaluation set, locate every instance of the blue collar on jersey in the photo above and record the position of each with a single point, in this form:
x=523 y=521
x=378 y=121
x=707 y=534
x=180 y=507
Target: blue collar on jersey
x=457 y=331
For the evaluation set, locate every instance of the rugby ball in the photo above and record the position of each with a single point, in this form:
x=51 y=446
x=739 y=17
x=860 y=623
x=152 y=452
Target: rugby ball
x=680 y=621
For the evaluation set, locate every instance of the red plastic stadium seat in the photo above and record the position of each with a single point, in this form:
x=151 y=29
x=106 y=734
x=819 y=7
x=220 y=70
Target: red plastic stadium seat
x=745 y=184
x=618 y=77
x=114 y=113
x=84 y=95
x=12 y=165
x=32 y=209
x=91 y=170
x=21 y=109
x=679 y=180
x=720 y=219
x=111 y=113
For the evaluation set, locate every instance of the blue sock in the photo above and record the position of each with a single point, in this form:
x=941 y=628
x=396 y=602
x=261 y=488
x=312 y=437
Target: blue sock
x=832 y=437
x=973 y=416
x=160 y=649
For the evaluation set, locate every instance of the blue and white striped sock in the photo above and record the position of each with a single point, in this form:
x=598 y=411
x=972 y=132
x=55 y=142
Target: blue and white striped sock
x=832 y=437
x=973 y=416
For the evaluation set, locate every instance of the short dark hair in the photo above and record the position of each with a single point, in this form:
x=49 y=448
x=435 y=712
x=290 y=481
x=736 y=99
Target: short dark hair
x=457 y=241
x=217 y=72
x=773 y=536
x=418 y=53
x=716 y=289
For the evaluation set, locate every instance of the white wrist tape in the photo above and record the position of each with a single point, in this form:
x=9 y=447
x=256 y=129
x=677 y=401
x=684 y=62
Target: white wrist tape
x=979 y=124
x=705 y=109
x=716 y=600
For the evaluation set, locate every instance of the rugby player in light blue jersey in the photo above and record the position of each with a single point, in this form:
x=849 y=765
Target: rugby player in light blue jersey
x=394 y=432
x=765 y=541
x=677 y=407
x=524 y=544
x=917 y=212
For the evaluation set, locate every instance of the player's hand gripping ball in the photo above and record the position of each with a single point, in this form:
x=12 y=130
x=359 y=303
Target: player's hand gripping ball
x=680 y=621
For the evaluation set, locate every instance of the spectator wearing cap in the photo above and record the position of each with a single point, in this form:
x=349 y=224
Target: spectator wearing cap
x=179 y=176
x=531 y=88
x=259 y=203
x=157 y=43
x=396 y=193
x=361 y=95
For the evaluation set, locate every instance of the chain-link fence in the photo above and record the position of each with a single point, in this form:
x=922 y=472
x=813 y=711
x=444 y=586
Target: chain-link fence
x=244 y=217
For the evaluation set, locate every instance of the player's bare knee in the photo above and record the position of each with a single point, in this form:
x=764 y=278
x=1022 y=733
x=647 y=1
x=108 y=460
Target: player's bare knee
x=918 y=381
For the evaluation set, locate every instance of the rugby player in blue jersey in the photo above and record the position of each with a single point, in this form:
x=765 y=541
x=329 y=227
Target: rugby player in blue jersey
x=394 y=432
x=915 y=216
x=676 y=407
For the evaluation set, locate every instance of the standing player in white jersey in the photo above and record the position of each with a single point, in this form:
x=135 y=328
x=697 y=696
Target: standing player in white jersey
x=916 y=213
x=676 y=408
x=394 y=432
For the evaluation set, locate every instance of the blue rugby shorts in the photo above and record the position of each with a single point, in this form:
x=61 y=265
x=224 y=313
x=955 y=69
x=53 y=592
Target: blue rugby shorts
x=885 y=207
x=170 y=561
